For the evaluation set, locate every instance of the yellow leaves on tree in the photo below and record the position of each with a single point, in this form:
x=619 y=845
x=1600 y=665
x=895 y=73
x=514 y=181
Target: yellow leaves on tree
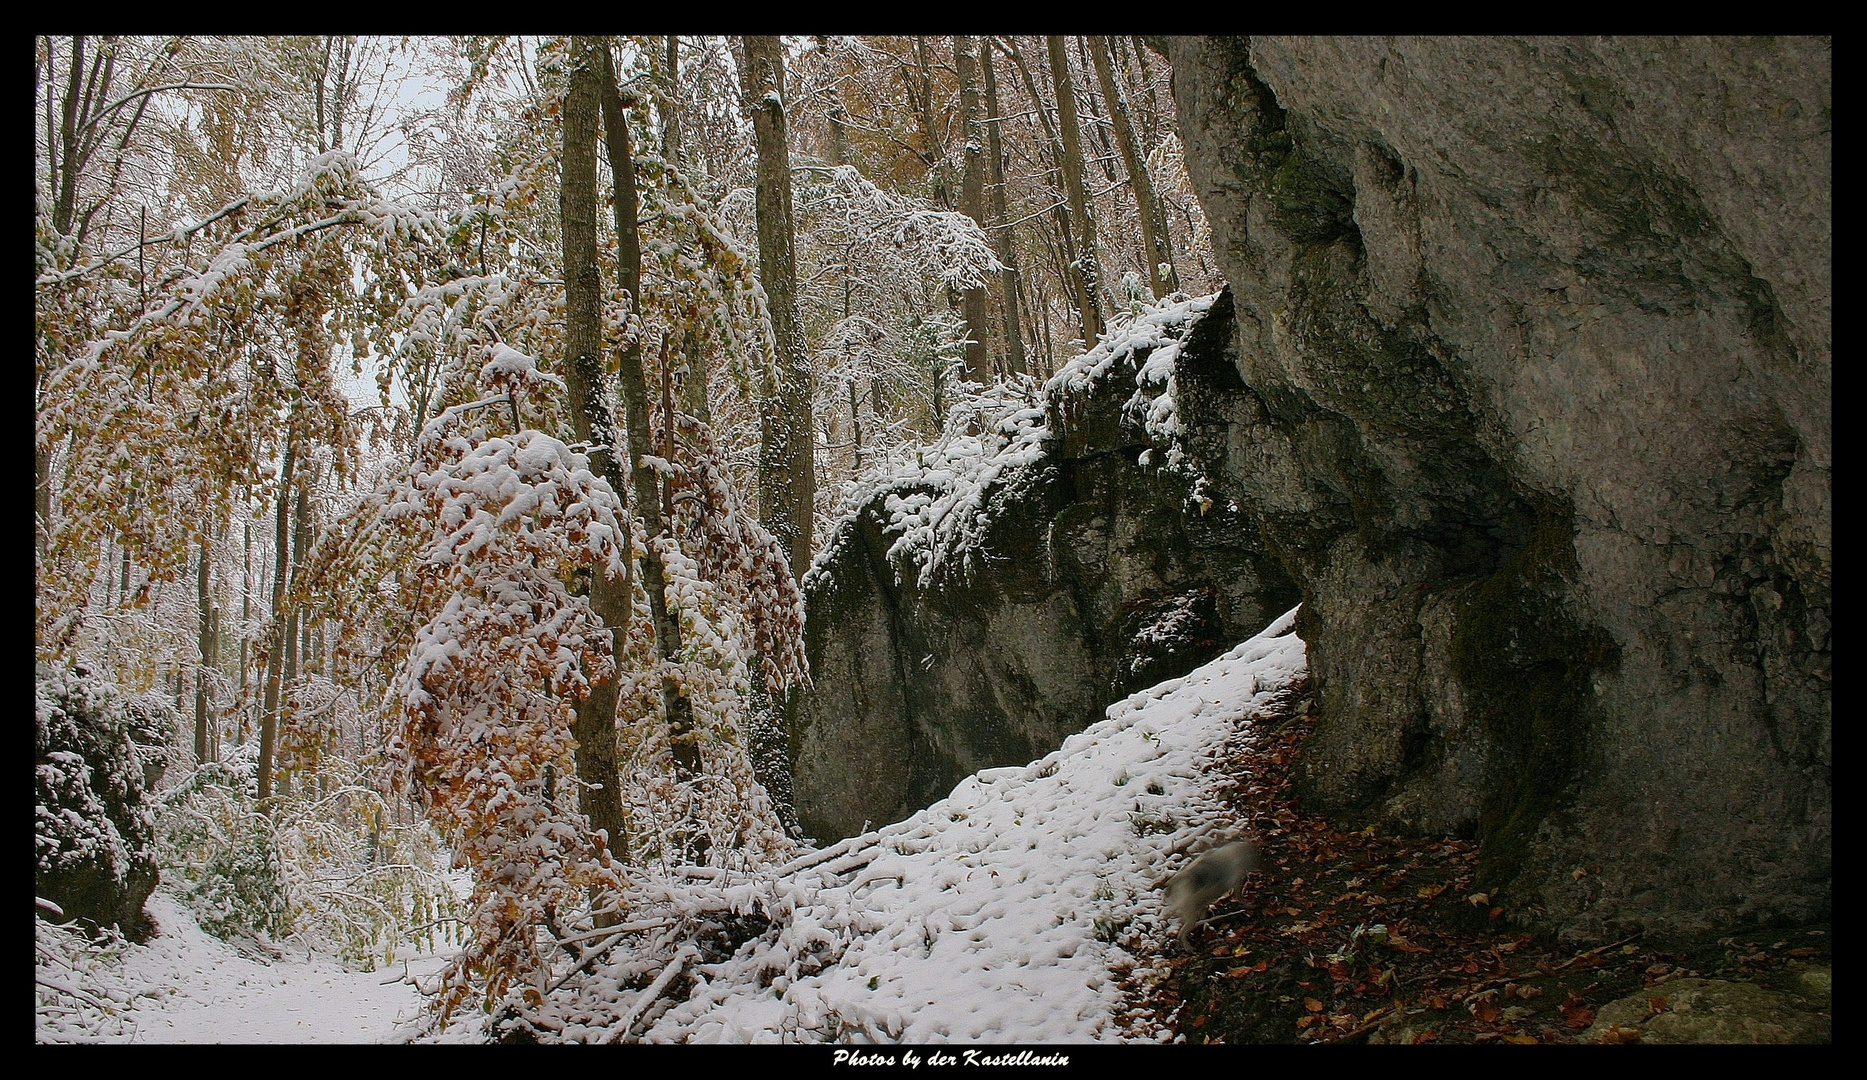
x=480 y=537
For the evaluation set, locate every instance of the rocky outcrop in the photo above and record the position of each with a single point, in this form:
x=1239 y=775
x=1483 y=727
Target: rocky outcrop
x=1531 y=395
x=1721 y=1011
x=1091 y=568
x=93 y=824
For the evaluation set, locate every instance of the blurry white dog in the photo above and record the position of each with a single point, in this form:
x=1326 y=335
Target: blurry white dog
x=1219 y=871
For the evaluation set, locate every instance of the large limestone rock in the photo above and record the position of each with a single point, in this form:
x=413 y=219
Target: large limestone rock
x=1531 y=393
x=93 y=822
x=1096 y=570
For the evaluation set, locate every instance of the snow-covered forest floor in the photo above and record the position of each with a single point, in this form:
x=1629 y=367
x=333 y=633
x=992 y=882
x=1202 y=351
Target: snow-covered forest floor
x=1017 y=909
x=186 y=986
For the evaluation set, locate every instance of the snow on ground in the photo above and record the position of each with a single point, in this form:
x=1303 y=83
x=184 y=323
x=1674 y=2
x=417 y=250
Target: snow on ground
x=193 y=988
x=1010 y=911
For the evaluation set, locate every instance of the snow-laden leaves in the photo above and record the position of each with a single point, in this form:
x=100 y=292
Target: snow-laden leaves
x=480 y=536
x=162 y=412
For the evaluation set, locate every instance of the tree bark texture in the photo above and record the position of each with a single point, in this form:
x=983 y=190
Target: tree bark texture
x=1081 y=223
x=972 y=202
x=787 y=472
x=594 y=726
x=1007 y=253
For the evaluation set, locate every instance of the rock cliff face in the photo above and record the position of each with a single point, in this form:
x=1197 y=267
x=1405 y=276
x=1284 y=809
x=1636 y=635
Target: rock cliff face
x=1531 y=396
x=1095 y=569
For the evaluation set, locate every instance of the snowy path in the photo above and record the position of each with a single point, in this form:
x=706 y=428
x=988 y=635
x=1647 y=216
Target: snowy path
x=1011 y=910
x=201 y=990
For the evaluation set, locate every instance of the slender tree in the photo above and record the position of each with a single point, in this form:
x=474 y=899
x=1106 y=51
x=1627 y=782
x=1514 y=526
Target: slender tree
x=1153 y=223
x=644 y=480
x=205 y=624
x=595 y=725
x=1001 y=216
x=275 y=649
x=1082 y=224
x=787 y=468
x=972 y=202
x=939 y=173
x=1068 y=265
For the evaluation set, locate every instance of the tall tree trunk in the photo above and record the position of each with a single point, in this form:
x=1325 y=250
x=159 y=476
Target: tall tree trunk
x=594 y=726
x=972 y=202
x=275 y=652
x=301 y=539
x=1082 y=224
x=1149 y=111
x=205 y=624
x=1007 y=251
x=1153 y=224
x=1107 y=155
x=297 y=665
x=669 y=75
x=645 y=484
x=787 y=471
x=1053 y=143
x=42 y=498
x=246 y=623
x=694 y=367
x=941 y=178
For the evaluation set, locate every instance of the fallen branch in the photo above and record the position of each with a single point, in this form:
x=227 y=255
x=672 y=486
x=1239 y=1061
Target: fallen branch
x=1362 y=1030
x=841 y=847
x=1598 y=950
x=648 y=996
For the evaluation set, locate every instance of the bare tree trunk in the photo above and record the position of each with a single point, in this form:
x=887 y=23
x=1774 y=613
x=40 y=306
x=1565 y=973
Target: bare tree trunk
x=1107 y=157
x=839 y=130
x=1149 y=111
x=275 y=652
x=643 y=480
x=670 y=77
x=1007 y=251
x=42 y=498
x=298 y=625
x=205 y=623
x=936 y=152
x=694 y=368
x=246 y=623
x=1153 y=225
x=787 y=469
x=1083 y=226
x=1069 y=277
x=595 y=724
x=972 y=201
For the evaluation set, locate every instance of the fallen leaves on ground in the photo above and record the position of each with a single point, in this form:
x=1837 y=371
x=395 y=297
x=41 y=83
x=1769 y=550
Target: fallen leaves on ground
x=1353 y=934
